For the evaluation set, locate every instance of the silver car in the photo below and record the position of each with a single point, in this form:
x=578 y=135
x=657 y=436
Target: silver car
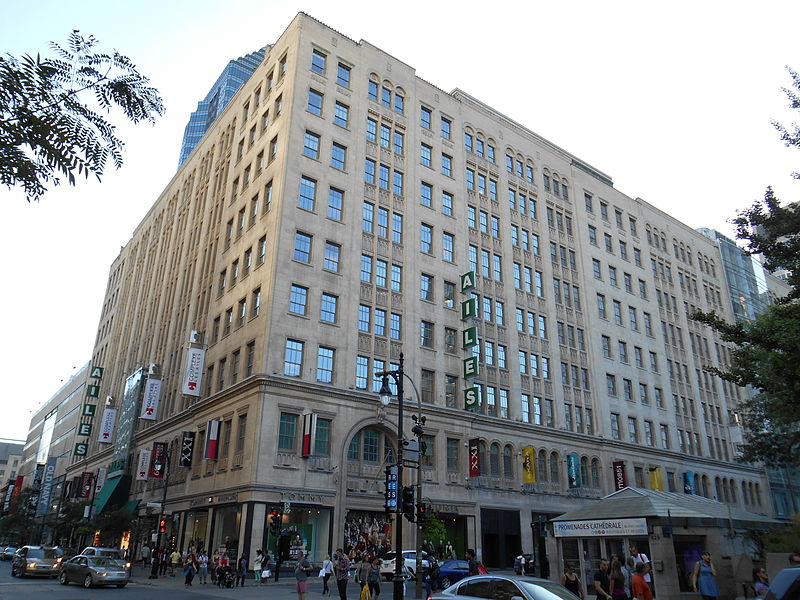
x=92 y=571
x=505 y=587
x=35 y=561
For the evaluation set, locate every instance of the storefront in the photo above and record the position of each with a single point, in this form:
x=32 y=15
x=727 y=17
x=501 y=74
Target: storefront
x=306 y=527
x=502 y=541
x=671 y=529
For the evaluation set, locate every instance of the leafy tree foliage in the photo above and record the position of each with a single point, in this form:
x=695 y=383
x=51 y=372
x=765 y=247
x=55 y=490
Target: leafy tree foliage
x=17 y=524
x=791 y=135
x=112 y=524
x=52 y=122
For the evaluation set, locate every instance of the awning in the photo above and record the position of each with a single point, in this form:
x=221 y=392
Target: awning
x=131 y=505
x=638 y=502
x=114 y=493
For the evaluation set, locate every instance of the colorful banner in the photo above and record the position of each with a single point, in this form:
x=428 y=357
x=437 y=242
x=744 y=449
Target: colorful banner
x=106 y=435
x=158 y=462
x=528 y=464
x=86 y=485
x=474 y=458
x=187 y=449
x=152 y=396
x=143 y=466
x=193 y=376
x=100 y=480
x=656 y=479
x=689 y=483
x=309 y=427
x=573 y=471
x=212 y=440
x=620 y=479
x=46 y=488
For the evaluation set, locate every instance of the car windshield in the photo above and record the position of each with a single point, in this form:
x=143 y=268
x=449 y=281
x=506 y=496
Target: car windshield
x=109 y=553
x=41 y=553
x=102 y=561
x=543 y=590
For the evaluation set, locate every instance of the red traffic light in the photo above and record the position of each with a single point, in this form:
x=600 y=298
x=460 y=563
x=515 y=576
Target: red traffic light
x=162 y=526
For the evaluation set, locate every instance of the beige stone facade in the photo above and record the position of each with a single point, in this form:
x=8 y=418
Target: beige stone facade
x=299 y=296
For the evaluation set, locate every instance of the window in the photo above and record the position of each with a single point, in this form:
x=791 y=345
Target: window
x=314 y=102
x=293 y=358
x=633 y=430
x=327 y=308
x=426 y=194
x=615 y=433
x=343 y=75
x=287 y=432
x=395 y=326
x=386 y=96
x=427 y=380
x=426 y=238
x=452 y=455
x=447 y=126
x=372 y=90
x=369 y=171
x=255 y=309
x=325 y=364
x=331 y=259
x=425 y=117
x=426 y=334
x=447 y=203
x=447 y=165
x=338 y=156
x=426 y=287
x=425 y=155
x=601 y=306
x=302 y=247
x=318 y=62
x=308 y=193
x=341 y=114
x=335 y=202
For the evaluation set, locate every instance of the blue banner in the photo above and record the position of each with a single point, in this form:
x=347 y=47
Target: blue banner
x=573 y=471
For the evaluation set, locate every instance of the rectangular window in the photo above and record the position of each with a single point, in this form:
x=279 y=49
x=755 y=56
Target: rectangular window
x=425 y=155
x=343 y=75
x=302 y=247
x=341 y=115
x=293 y=358
x=325 y=364
x=447 y=165
x=615 y=433
x=318 y=62
x=426 y=194
x=287 y=432
x=327 y=309
x=395 y=326
x=338 y=156
x=447 y=203
x=308 y=193
x=426 y=238
x=315 y=102
x=335 y=203
x=447 y=126
x=426 y=334
x=425 y=117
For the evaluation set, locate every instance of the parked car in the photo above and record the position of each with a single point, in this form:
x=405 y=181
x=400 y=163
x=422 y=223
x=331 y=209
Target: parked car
x=93 y=570
x=451 y=571
x=785 y=585
x=8 y=553
x=409 y=559
x=40 y=561
x=116 y=554
x=505 y=587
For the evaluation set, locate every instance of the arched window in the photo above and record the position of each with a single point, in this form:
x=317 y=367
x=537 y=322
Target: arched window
x=584 y=471
x=555 y=475
x=595 y=473
x=745 y=495
x=399 y=101
x=482 y=457
x=372 y=446
x=734 y=499
x=704 y=486
x=494 y=460
x=541 y=466
x=758 y=494
x=718 y=489
x=508 y=462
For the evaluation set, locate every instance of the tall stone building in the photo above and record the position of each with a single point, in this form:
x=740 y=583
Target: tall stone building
x=320 y=229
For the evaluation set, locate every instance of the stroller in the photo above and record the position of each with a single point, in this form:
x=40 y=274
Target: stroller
x=225 y=577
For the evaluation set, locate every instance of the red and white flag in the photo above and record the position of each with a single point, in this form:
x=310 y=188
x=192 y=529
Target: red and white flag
x=212 y=440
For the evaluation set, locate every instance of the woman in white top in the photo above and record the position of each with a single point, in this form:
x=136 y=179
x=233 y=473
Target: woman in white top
x=327 y=571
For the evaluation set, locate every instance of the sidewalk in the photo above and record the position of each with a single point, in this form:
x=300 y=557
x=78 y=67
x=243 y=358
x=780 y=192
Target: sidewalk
x=282 y=590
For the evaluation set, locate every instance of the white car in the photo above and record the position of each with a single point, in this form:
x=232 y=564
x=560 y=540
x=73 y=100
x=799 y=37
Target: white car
x=409 y=559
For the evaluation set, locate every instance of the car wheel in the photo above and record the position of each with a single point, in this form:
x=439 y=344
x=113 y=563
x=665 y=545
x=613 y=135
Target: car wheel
x=62 y=578
x=121 y=585
x=445 y=582
x=87 y=582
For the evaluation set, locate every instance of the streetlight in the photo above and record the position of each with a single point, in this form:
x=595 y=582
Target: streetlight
x=385 y=394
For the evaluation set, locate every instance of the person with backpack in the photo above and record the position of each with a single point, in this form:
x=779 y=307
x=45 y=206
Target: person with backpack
x=374 y=579
x=341 y=568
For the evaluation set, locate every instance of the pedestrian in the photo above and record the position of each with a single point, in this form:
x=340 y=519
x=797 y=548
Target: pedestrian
x=145 y=554
x=326 y=572
x=277 y=565
x=639 y=586
x=572 y=582
x=223 y=568
x=374 y=579
x=760 y=582
x=174 y=561
x=213 y=565
x=154 y=564
x=241 y=571
x=188 y=572
x=202 y=564
x=363 y=569
x=519 y=564
x=617 y=581
x=258 y=561
x=341 y=569
x=641 y=558
x=266 y=573
x=602 y=584
x=472 y=564
x=703 y=577
x=301 y=573
x=163 y=559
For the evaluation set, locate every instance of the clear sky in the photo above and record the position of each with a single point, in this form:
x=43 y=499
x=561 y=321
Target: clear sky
x=672 y=99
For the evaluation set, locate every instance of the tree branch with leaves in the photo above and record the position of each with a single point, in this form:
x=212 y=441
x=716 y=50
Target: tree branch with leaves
x=52 y=113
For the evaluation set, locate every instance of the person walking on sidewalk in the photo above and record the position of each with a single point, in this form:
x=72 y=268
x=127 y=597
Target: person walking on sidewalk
x=188 y=571
x=265 y=568
x=301 y=573
x=258 y=561
x=241 y=571
x=327 y=571
x=174 y=561
x=342 y=570
x=145 y=555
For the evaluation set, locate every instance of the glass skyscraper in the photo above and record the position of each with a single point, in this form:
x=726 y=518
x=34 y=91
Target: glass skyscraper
x=230 y=80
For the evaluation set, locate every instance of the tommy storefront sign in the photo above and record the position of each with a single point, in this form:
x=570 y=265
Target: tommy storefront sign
x=600 y=528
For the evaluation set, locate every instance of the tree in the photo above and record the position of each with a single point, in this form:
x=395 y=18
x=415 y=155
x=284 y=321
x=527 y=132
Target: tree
x=51 y=124
x=112 y=524
x=791 y=135
x=18 y=522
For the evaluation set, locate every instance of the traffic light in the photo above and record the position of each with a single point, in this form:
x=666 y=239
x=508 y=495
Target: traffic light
x=408 y=502
x=275 y=522
x=162 y=526
x=422 y=512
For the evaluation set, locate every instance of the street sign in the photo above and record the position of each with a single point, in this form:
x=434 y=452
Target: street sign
x=391 y=489
x=411 y=450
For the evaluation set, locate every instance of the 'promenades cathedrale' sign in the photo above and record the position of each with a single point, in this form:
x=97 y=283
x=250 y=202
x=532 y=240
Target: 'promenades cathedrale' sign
x=600 y=528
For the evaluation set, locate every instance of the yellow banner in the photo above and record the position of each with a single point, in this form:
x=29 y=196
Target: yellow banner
x=529 y=464
x=656 y=479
